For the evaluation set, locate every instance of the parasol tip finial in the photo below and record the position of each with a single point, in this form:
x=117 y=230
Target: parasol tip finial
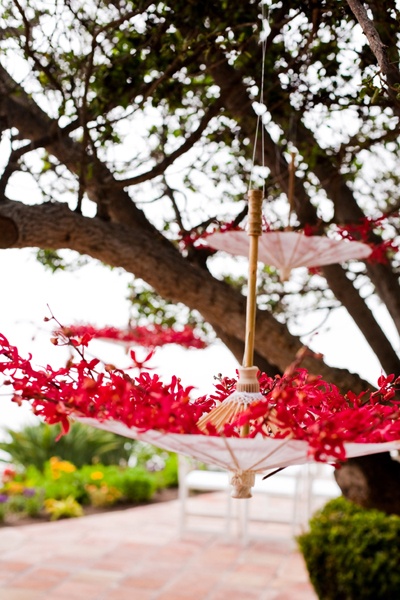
x=242 y=482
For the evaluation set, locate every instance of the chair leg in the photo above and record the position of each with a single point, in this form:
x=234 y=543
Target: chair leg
x=229 y=515
x=243 y=520
x=182 y=511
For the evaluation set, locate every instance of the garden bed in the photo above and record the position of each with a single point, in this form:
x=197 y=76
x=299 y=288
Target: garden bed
x=18 y=520
x=87 y=472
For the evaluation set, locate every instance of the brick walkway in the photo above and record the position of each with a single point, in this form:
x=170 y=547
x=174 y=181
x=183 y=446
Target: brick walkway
x=138 y=554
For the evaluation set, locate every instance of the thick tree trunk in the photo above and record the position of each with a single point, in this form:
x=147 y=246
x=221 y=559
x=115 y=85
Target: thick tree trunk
x=372 y=482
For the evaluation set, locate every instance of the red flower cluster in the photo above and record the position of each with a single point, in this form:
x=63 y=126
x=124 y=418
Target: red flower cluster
x=297 y=405
x=84 y=388
x=194 y=238
x=362 y=232
x=149 y=337
x=305 y=407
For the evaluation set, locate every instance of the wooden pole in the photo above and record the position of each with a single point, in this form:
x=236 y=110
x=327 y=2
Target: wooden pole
x=247 y=382
x=254 y=232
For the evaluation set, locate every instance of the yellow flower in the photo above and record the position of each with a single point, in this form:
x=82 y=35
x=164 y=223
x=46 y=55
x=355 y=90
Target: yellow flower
x=96 y=475
x=103 y=495
x=66 y=466
x=14 y=487
x=58 y=466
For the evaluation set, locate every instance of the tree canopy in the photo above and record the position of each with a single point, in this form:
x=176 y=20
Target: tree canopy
x=136 y=123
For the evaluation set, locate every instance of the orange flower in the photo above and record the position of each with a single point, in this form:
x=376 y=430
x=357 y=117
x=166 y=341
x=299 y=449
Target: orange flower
x=15 y=487
x=58 y=466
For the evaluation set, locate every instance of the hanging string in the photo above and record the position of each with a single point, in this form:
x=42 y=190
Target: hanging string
x=292 y=173
x=263 y=39
x=255 y=198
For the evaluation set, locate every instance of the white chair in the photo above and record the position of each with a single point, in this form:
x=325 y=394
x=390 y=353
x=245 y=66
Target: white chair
x=288 y=497
x=284 y=501
x=195 y=477
x=292 y=484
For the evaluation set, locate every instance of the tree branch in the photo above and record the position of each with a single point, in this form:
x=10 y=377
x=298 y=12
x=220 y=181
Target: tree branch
x=33 y=123
x=189 y=142
x=347 y=294
x=389 y=70
x=347 y=209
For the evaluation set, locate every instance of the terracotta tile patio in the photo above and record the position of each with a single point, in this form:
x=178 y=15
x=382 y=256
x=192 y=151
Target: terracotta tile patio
x=138 y=554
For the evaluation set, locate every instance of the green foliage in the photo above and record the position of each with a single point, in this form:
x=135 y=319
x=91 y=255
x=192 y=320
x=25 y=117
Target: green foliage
x=60 y=479
x=134 y=485
x=52 y=260
x=36 y=444
x=51 y=470
x=103 y=495
x=30 y=504
x=167 y=476
x=352 y=553
x=61 y=490
x=148 y=307
x=3 y=510
x=56 y=261
x=17 y=497
x=162 y=465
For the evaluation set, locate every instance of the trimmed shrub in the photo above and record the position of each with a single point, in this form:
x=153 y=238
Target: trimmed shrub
x=136 y=485
x=352 y=553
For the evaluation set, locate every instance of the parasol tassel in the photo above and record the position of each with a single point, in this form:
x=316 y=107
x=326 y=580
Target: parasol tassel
x=242 y=482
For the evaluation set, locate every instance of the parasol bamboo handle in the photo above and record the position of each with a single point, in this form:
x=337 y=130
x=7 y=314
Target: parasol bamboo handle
x=254 y=231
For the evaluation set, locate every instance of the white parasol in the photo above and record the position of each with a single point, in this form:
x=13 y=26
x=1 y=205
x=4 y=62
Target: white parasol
x=287 y=250
x=238 y=455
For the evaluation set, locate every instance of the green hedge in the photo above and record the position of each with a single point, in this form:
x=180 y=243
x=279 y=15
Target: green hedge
x=352 y=553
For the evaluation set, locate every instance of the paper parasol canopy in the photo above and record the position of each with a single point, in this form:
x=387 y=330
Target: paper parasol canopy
x=287 y=250
x=313 y=420
x=236 y=455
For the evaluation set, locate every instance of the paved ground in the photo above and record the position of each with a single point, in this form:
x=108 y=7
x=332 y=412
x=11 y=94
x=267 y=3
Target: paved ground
x=139 y=554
